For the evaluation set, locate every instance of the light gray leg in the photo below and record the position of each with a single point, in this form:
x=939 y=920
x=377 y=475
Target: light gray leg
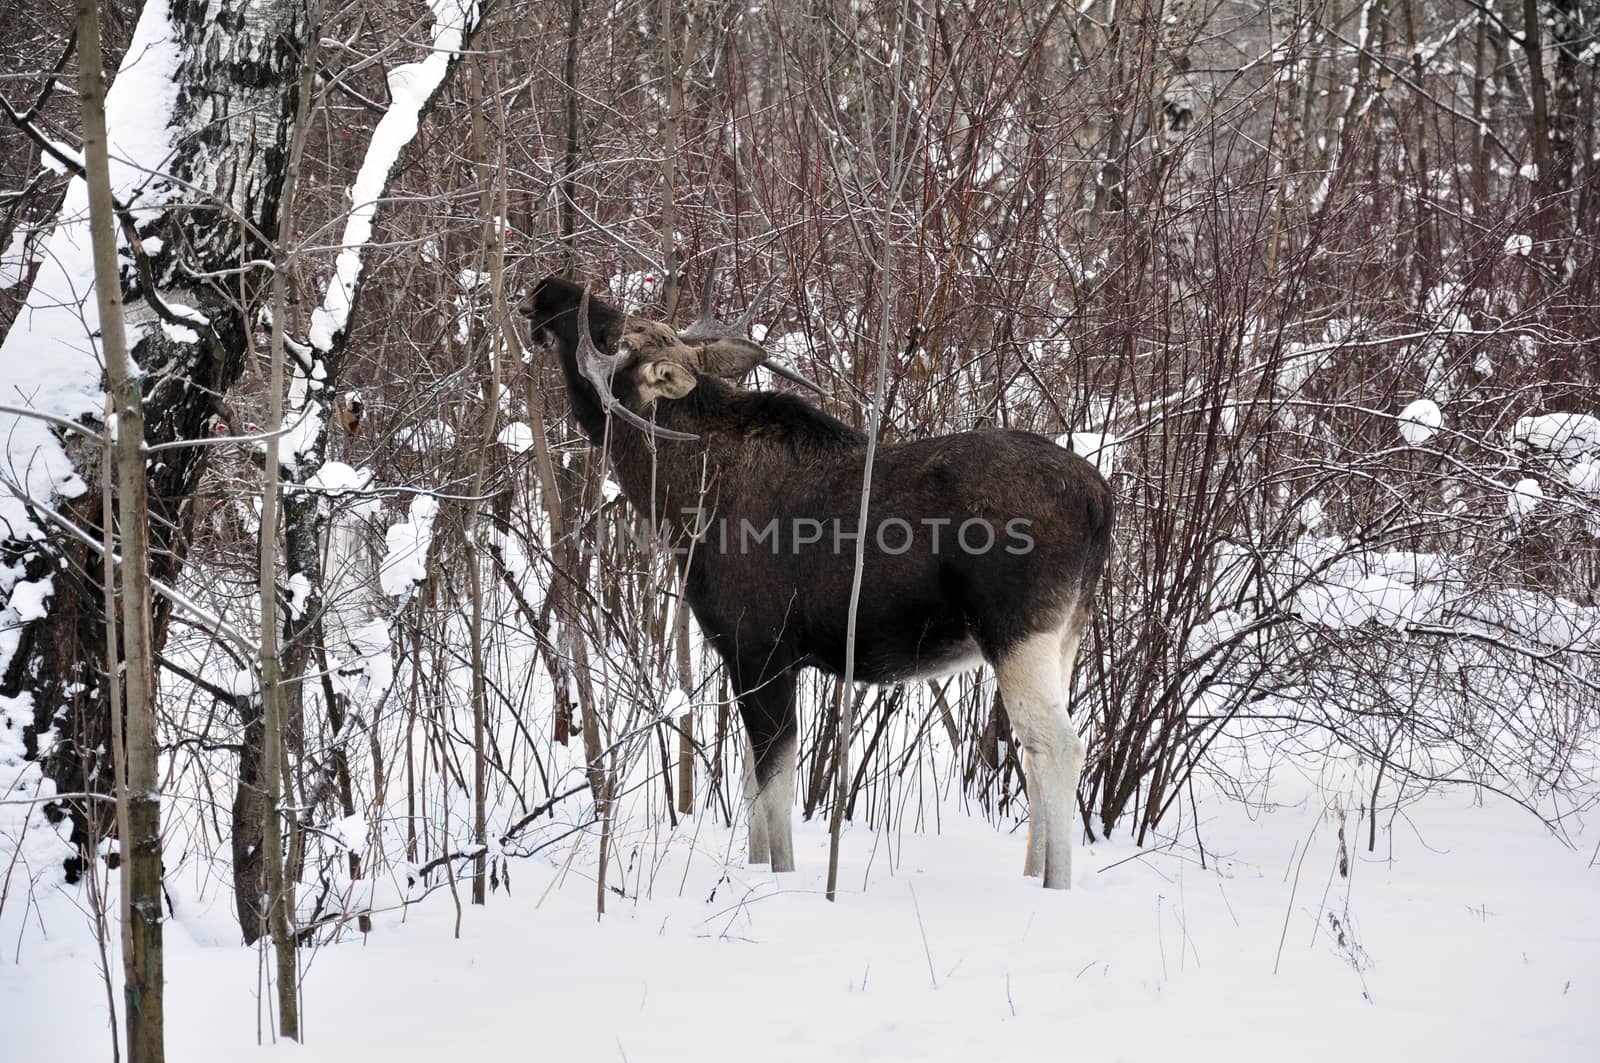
x=1030 y=683
x=777 y=799
x=1071 y=740
x=1033 y=864
x=755 y=809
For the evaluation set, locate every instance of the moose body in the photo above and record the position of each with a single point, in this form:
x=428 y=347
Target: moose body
x=980 y=547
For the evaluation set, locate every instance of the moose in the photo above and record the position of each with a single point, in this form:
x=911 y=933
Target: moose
x=982 y=546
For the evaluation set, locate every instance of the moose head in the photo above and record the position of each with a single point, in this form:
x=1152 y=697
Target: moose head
x=650 y=360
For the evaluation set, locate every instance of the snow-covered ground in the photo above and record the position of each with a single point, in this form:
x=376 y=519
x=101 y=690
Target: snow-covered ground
x=1471 y=933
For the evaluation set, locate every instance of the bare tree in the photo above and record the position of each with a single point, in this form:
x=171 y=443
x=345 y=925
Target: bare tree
x=139 y=801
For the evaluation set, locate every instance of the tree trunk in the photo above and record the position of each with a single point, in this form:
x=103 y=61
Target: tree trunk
x=1544 y=182
x=569 y=163
x=224 y=137
x=680 y=639
x=494 y=256
x=140 y=801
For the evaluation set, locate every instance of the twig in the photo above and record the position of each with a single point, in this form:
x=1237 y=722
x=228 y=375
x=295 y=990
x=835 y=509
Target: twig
x=926 y=951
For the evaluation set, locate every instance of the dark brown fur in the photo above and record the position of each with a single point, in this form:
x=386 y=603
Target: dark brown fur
x=763 y=455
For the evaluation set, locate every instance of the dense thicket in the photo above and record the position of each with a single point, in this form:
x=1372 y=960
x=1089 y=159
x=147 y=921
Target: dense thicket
x=1315 y=281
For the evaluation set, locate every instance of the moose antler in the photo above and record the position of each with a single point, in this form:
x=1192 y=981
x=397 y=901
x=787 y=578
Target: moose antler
x=598 y=368
x=707 y=329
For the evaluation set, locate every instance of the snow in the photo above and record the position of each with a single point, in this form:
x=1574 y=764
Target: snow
x=1420 y=421
x=1568 y=435
x=335 y=477
x=28 y=598
x=411 y=86
x=304 y=426
x=406 y=557
x=1519 y=244
x=243 y=684
x=789 y=347
x=1469 y=934
x=1099 y=447
x=299 y=587
x=18 y=257
x=179 y=333
x=352 y=831
x=1329 y=582
x=1524 y=498
x=635 y=289
x=516 y=437
x=1377 y=598
x=1300 y=362
x=57 y=151
x=365 y=667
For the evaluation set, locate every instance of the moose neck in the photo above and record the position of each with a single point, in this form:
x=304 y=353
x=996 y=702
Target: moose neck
x=669 y=479
x=743 y=437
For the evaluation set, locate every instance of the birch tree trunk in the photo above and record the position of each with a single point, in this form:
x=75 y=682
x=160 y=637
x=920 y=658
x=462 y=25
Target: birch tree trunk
x=201 y=117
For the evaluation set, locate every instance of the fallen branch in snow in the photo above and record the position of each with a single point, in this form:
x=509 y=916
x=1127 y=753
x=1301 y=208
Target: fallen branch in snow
x=439 y=861
x=196 y=680
x=516 y=828
x=47 y=799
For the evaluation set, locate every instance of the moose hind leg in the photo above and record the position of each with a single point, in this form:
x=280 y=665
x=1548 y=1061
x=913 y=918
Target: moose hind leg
x=1071 y=638
x=1030 y=675
x=1033 y=863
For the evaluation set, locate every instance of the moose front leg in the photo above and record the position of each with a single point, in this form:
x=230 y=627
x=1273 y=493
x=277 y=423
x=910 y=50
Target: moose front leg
x=777 y=800
x=769 y=720
x=755 y=809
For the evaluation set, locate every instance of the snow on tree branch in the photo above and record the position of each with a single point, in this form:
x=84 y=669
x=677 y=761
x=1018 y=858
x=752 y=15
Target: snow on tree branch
x=50 y=360
x=412 y=87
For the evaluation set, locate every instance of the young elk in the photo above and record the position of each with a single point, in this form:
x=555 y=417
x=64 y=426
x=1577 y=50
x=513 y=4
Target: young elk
x=980 y=546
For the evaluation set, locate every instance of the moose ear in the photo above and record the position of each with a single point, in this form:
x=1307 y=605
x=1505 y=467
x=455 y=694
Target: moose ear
x=665 y=380
x=731 y=357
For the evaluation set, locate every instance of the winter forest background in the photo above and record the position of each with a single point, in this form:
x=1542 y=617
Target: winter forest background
x=1314 y=283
